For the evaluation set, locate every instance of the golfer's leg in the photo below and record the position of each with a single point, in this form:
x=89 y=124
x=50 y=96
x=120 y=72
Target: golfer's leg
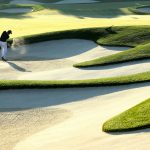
x=1 y=49
x=4 y=50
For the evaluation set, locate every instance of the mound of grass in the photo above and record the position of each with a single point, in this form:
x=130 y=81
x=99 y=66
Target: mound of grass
x=113 y=81
x=139 y=52
x=135 y=118
x=137 y=37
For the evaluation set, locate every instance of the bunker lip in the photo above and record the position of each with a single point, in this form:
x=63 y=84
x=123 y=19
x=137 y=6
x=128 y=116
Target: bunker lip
x=16 y=10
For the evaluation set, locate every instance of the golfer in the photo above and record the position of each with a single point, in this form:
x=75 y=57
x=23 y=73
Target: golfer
x=3 y=43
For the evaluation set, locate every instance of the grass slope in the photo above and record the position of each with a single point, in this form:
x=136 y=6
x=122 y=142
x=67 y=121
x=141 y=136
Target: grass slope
x=139 y=52
x=74 y=16
x=113 y=81
x=135 y=118
x=137 y=11
x=137 y=37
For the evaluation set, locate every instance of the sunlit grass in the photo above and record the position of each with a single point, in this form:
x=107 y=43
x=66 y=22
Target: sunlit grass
x=135 y=118
x=63 y=18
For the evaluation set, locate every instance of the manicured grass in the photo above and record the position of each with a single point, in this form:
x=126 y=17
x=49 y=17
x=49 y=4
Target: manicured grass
x=137 y=37
x=74 y=16
x=97 y=10
x=113 y=81
x=127 y=36
x=140 y=52
x=89 y=34
x=135 y=118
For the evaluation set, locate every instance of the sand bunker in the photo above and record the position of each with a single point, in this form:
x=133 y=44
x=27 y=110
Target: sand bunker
x=16 y=10
x=78 y=112
x=144 y=9
x=24 y=2
x=57 y=55
x=75 y=1
x=54 y=60
x=82 y=130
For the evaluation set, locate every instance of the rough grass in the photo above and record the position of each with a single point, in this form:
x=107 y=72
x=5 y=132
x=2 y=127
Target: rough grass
x=137 y=37
x=135 y=118
x=113 y=81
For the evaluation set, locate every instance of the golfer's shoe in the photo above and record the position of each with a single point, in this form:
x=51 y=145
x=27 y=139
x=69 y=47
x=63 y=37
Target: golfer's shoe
x=3 y=59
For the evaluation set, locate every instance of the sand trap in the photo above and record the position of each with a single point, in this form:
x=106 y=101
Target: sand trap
x=17 y=125
x=24 y=2
x=78 y=112
x=90 y=107
x=53 y=57
x=144 y=9
x=75 y=1
x=16 y=10
x=53 y=60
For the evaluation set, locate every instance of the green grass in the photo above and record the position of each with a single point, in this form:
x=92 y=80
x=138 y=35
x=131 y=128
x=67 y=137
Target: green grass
x=88 y=33
x=91 y=34
x=140 y=52
x=135 y=118
x=137 y=37
x=113 y=81
x=109 y=9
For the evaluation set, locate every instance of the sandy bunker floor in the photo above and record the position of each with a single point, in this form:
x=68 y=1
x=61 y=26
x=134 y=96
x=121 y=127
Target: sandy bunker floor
x=75 y=1
x=144 y=9
x=55 y=59
x=24 y=2
x=16 y=10
x=73 y=117
x=60 y=2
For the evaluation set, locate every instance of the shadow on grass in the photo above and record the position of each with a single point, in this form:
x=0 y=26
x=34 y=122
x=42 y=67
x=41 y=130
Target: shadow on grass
x=130 y=132
x=100 y=9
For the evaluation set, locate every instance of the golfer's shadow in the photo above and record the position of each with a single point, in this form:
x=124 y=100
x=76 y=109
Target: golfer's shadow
x=16 y=67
